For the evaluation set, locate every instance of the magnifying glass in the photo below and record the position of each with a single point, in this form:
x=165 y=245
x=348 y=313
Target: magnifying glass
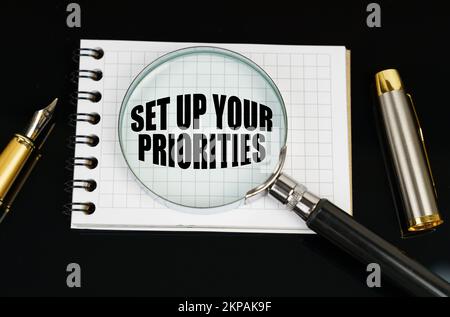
x=204 y=129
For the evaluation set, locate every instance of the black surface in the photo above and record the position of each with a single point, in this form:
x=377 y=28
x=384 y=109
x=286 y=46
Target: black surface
x=36 y=242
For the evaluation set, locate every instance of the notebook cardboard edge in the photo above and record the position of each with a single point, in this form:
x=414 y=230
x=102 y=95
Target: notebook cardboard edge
x=349 y=125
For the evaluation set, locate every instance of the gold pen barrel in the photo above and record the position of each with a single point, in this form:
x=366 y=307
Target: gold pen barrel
x=12 y=160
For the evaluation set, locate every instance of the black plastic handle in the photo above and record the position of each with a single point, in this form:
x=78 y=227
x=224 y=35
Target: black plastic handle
x=341 y=229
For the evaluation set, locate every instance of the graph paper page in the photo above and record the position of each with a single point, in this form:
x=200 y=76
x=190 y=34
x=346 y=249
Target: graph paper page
x=313 y=83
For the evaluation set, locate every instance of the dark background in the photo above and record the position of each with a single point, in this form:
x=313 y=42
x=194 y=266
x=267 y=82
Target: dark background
x=36 y=243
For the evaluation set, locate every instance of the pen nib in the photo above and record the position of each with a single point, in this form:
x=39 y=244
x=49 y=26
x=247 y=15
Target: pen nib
x=51 y=107
x=40 y=120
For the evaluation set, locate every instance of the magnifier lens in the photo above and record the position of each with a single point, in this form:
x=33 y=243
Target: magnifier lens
x=201 y=127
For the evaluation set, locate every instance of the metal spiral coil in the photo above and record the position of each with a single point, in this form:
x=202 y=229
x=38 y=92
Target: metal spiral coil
x=93 y=118
x=87 y=208
x=92 y=96
x=96 y=53
x=88 y=162
x=94 y=75
x=90 y=140
x=87 y=184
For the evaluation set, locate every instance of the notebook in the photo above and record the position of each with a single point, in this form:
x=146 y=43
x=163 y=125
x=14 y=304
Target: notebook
x=314 y=83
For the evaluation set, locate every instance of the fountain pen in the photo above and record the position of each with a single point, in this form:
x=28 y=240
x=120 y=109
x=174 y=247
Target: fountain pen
x=18 y=151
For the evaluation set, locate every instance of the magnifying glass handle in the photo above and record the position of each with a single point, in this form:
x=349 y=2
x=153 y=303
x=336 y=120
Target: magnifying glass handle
x=331 y=222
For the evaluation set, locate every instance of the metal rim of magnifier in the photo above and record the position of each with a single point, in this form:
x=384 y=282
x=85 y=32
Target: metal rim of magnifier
x=253 y=193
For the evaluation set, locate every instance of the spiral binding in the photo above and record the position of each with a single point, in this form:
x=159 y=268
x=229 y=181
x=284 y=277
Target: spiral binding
x=92 y=118
x=96 y=53
x=95 y=75
x=92 y=140
x=88 y=185
x=92 y=96
x=89 y=162
x=87 y=208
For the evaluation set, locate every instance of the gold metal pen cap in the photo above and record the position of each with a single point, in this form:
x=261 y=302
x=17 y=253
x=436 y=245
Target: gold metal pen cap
x=388 y=80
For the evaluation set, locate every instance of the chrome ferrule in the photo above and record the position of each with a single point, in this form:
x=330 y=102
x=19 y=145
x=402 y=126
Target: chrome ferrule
x=294 y=196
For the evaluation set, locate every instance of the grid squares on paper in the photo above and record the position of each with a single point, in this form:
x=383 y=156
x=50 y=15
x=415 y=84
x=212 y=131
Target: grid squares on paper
x=304 y=81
